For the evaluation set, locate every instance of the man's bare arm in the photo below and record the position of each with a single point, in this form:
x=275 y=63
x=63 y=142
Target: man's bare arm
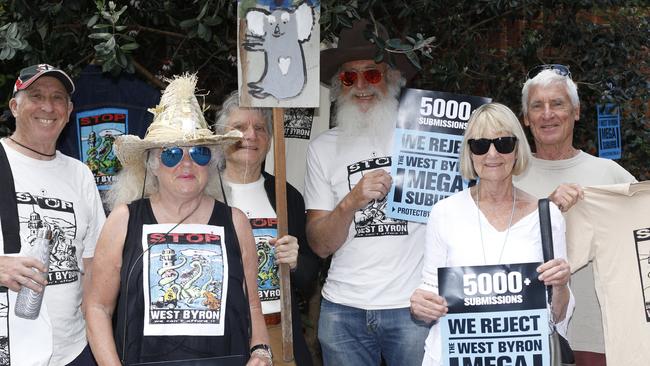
x=327 y=230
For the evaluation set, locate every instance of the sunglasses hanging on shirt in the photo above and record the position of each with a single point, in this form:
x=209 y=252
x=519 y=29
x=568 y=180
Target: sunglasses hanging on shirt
x=171 y=156
x=504 y=145
x=372 y=76
x=557 y=68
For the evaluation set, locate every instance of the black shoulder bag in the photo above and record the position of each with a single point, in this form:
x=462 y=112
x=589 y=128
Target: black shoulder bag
x=8 y=207
x=561 y=353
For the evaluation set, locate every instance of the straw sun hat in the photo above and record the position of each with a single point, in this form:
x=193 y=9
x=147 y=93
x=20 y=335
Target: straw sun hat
x=178 y=121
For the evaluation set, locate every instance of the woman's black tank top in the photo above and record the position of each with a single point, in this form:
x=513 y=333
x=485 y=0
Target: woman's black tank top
x=128 y=318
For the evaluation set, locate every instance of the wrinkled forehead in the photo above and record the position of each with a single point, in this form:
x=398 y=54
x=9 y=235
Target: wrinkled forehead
x=244 y=116
x=551 y=90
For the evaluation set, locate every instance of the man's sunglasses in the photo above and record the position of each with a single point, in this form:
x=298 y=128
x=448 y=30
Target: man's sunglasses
x=557 y=68
x=372 y=76
x=504 y=145
x=171 y=156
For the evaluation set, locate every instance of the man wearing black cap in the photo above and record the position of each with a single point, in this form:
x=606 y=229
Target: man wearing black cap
x=377 y=260
x=43 y=188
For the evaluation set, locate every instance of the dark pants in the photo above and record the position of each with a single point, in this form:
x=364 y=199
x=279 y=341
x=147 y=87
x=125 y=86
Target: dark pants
x=85 y=358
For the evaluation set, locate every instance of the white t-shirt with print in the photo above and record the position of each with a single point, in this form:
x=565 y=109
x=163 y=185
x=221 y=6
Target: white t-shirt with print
x=62 y=195
x=251 y=198
x=379 y=264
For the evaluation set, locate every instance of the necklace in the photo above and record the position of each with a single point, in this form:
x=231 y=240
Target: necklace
x=30 y=149
x=480 y=228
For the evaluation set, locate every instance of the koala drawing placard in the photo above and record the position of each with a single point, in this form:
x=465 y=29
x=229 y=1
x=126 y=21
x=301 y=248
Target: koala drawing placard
x=280 y=35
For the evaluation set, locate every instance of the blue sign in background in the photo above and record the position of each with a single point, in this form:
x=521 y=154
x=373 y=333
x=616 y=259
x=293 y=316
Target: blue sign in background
x=609 y=131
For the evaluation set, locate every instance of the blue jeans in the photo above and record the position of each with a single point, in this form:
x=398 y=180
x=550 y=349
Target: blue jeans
x=357 y=337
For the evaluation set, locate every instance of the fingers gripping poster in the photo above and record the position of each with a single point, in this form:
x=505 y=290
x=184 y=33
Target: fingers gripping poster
x=497 y=316
x=185 y=272
x=278 y=53
x=426 y=150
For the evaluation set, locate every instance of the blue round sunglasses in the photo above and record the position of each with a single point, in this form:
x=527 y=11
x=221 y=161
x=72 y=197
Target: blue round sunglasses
x=171 y=156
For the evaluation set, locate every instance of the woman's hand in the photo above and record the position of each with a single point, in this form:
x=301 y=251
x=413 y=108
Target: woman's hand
x=555 y=272
x=427 y=306
x=286 y=250
x=260 y=357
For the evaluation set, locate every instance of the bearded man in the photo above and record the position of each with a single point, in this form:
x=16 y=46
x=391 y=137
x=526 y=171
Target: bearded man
x=377 y=260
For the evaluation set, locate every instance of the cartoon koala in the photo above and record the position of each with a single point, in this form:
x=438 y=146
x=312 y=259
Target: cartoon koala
x=279 y=35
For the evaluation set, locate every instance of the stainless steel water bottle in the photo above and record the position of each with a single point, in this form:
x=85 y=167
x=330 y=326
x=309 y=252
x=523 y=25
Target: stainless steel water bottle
x=28 y=301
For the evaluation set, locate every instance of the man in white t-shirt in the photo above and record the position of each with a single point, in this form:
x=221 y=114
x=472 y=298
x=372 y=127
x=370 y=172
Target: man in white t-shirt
x=377 y=260
x=51 y=191
x=551 y=106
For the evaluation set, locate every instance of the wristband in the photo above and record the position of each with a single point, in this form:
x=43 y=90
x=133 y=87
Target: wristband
x=263 y=347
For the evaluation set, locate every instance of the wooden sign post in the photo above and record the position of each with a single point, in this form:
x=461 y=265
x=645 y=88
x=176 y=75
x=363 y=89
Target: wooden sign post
x=278 y=67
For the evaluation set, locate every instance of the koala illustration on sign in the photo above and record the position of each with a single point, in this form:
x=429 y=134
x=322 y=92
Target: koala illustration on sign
x=279 y=35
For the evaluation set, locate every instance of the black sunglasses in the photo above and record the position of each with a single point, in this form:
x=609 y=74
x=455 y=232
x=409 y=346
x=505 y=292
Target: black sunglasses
x=504 y=145
x=557 y=68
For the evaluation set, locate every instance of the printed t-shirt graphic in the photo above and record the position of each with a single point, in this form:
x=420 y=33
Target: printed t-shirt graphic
x=372 y=220
x=268 y=279
x=186 y=274
x=36 y=212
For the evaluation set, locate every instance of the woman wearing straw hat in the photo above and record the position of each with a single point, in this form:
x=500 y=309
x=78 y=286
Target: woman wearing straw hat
x=176 y=269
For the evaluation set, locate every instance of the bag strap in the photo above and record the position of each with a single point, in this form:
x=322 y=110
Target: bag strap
x=8 y=207
x=547 y=236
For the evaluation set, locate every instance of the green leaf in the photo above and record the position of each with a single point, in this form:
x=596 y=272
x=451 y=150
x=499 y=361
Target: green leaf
x=14 y=43
x=120 y=28
x=212 y=21
x=103 y=36
x=102 y=26
x=188 y=23
x=13 y=30
x=379 y=57
x=340 y=9
x=4 y=54
x=92 y=21
x=414 y=60
x=119 y=12
x=129 y=47
x=203 y=10
x=110 y=44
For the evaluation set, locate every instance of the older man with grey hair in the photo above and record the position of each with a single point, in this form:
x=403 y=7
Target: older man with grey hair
x=551 y=107
x=376 y=260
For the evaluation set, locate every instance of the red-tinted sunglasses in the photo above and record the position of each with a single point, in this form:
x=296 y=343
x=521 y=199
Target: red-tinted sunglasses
x=372 y=76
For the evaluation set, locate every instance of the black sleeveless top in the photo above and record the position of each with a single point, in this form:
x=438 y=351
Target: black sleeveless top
x=129 y=313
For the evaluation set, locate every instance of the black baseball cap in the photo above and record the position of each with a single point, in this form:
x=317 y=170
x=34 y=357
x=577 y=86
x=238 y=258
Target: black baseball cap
x=31 y=73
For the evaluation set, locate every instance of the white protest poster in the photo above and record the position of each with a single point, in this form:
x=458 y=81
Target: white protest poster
x=497 y=316
x=426 y=150
x=278 y=53
x=184 y=279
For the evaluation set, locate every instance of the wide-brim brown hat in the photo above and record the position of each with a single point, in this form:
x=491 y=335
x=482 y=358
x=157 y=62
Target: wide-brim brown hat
x=178 y=121
x=353 y=45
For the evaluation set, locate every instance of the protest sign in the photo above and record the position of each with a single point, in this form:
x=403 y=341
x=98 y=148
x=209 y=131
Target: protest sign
x=609 y=131
x=497 y=316
x=426 y=147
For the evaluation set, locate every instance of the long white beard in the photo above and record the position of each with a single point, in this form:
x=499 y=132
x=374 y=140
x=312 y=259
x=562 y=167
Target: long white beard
x=377 y=123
